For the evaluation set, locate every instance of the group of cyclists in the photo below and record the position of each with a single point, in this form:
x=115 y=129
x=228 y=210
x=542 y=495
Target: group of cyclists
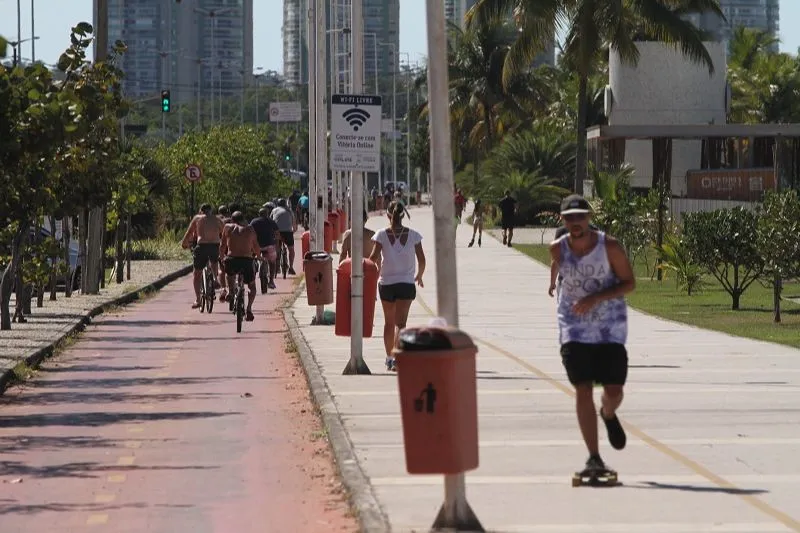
x=227 y=235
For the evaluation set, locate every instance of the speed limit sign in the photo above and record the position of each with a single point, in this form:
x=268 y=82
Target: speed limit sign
x=193 y=172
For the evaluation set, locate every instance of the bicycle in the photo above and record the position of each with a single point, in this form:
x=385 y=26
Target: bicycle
x=283 y=258
x=237 y=302
x=207 y=296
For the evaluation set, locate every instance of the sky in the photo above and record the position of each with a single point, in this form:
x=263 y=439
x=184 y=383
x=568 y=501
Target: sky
x=54 y=18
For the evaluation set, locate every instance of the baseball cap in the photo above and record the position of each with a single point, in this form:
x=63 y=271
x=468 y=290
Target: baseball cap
x=573 y=204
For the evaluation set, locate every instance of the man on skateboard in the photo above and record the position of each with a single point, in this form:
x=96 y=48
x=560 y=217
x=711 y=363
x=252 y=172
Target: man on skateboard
x=593 y=321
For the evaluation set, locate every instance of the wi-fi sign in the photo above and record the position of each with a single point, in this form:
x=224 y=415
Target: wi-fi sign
x=356 y=117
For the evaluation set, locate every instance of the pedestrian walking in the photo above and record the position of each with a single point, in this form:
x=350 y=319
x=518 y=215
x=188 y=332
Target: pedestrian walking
x=395 y=250
x=593 y=321
x=508 y=212
x=477 y=222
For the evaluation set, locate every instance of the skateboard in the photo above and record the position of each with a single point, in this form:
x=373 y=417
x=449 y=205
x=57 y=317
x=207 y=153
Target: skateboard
x=595 y=477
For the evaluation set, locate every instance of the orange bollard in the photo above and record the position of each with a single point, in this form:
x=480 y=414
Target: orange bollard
x=318 y=267
x=333 y=218
x=342 y=221
x=438 y=399
x=305 y=241
x=343 y=307
x=327 y=236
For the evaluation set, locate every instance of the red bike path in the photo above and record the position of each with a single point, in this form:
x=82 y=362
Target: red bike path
x=162 y=419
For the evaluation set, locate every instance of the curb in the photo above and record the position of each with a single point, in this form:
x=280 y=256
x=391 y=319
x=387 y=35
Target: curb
x=361 y=494
x=36 y=358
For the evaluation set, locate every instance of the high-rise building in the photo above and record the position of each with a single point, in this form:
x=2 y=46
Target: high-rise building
x=178 y=45
x=454 y=10
x=755 y=14
x=381 y=39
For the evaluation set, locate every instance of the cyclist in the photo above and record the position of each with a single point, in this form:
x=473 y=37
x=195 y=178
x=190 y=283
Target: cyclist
x=286 y=226
x=224 y=214
x=267 y=234
x=302 y=209
x=293 y=198
x=238 y=247
x=205 y=230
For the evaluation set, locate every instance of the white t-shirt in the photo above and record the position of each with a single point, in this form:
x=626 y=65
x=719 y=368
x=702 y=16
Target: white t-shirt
x=399 y=263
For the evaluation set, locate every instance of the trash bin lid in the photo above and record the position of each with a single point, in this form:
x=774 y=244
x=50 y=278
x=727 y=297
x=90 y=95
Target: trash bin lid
x=317 y=256
x=432 y=338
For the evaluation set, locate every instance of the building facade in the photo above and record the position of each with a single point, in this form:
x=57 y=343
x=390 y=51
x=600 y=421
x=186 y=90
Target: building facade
x=755 y=14
x=182 y=46
x=454 y=10
x=381 y=40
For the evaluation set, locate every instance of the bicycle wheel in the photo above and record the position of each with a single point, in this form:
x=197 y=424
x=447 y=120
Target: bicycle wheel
x=210 y=296
x=239 y=309
x=262 y=274
x=284 y=261
x=203 y=293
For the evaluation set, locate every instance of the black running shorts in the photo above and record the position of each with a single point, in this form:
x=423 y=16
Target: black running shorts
x=595 y=363
x=397 y=291
x=288 y=238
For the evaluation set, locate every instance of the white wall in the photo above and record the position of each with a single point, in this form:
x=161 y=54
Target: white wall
x=666 y=88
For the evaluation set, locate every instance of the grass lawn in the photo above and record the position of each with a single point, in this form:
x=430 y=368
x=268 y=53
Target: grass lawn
x=709 y=308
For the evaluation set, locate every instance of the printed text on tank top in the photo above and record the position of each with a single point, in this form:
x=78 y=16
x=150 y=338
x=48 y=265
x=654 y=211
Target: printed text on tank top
x=587 y=272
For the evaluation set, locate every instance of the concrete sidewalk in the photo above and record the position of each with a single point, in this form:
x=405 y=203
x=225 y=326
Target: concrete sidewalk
x=713 y=420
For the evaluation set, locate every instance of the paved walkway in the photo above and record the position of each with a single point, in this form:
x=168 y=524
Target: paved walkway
x=713 y=421
x=51 y=322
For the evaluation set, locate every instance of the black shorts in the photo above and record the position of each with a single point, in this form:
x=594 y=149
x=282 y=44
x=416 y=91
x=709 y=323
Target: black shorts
x=203 y=253
x=606 y=364
x=288 y=238
x=397 y=291
x=507 y=222
x=241 y=265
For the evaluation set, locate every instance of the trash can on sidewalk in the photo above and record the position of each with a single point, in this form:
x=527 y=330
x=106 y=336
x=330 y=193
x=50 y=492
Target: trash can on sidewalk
x=318 y=267
x=438 y=399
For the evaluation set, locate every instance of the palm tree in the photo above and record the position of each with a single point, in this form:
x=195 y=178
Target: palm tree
x=591 y=26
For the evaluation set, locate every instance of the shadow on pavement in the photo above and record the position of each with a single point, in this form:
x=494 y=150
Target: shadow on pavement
x=695 y=488
x=21 y=509
x=81 y=470
x=39 y=398
x=95 y=368
x=25 y=443
x=114 y=383
x=156 y=323
x=100 y=419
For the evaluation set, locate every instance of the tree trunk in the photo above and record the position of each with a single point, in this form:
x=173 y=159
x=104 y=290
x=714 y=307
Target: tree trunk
x=736 y=296
x=10 y=272
x=40 y=296
x=54 y=259
x=580 y=152
x=776 y=298
x=128 y=248
x=120 y=253
x=65 y=235
x=102 y=270
x=83 y=253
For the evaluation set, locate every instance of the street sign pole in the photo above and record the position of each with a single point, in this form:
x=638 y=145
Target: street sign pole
x=357 y=365
x=455 y=512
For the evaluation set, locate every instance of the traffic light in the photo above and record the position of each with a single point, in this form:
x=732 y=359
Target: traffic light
x=287 y=152
x=165 y=101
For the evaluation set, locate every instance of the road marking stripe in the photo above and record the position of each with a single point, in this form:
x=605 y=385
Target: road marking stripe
x=116 y=478
x=162 y=375
x=155 y=390
x=126 y=460
x=97 y=519
x=136 y=429
x=104 y=498
x=147 y=407
x=133 y=444
x=697 y=468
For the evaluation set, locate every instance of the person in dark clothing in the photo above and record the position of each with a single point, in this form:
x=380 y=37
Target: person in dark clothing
x=266 y=232
x=508 y=210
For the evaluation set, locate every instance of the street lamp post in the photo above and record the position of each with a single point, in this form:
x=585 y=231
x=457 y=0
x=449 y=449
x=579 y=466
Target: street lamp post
x=17 y=50
x=408 y=123
x=394 y=110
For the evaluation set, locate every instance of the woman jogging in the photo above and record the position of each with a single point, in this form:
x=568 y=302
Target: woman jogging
x=396 y=247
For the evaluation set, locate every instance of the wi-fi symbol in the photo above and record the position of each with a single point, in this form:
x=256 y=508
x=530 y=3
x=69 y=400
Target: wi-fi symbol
x=355 y=117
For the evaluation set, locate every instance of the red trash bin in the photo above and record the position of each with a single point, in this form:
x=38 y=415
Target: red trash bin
x=343 y=308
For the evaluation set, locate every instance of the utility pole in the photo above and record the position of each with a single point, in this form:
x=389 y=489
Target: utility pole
x=455 y=513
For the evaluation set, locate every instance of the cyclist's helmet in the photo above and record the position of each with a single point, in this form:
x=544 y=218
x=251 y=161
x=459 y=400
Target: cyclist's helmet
x=281 y=202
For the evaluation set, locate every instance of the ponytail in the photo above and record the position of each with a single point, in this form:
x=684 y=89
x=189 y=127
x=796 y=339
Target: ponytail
x=397 y=212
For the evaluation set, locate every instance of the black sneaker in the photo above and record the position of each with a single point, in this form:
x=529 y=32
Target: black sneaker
x=616 y=434
x=504 y=240
x=470 y=244
x=594 y=462
x=292 y=272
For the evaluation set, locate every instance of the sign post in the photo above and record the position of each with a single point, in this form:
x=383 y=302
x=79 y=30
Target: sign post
x=355 y=147
x=193 y=174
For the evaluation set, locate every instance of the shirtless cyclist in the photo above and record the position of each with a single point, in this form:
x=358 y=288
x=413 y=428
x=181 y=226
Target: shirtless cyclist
x=205 y=229
x=238 y=248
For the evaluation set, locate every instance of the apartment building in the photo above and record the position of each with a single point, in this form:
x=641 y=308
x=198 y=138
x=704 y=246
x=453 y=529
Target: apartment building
x=179 y=46
x=756 y=14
